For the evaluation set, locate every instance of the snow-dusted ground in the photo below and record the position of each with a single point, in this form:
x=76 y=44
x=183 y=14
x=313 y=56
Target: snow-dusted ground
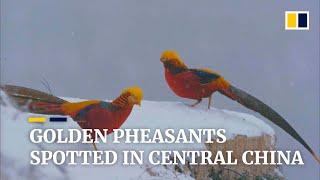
x=16 y=146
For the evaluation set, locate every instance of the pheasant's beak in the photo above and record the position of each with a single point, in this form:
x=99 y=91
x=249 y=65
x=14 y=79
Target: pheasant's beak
x=162 y=59
x=134 y=101
x=138 y=103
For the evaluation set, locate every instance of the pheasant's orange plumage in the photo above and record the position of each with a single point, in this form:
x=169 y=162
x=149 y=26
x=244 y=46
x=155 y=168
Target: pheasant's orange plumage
x=202 y=83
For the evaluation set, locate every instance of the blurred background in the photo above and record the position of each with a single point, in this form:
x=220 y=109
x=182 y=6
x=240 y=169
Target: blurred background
x=93 y=49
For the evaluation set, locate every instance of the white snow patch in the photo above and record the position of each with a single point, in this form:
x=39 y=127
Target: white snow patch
x=16 y=146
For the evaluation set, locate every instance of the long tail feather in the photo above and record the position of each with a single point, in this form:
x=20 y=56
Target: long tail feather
x=256 y=105
x=34 y=101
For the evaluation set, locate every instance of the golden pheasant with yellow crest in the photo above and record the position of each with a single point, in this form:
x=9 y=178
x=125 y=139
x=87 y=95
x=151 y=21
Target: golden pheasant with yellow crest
x=91 y=114
x=202 y=83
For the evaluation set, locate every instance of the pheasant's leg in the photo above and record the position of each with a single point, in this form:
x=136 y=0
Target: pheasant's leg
x=209 y=103
x=198 y=101
x=94 y=146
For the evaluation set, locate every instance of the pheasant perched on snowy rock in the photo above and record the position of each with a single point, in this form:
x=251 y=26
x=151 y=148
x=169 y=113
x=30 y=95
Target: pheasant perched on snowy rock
x=202 y=83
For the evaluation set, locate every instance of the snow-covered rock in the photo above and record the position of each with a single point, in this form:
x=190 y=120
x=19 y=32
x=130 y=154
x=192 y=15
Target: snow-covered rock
x=16 y=146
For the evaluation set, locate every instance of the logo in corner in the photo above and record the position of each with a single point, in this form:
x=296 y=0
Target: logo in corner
x=297 y=20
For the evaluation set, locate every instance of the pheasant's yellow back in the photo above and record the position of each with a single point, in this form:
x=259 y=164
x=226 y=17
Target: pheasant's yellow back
x=73 y=108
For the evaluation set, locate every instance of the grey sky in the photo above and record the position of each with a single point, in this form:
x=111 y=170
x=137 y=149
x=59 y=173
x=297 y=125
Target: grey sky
x=92 y=49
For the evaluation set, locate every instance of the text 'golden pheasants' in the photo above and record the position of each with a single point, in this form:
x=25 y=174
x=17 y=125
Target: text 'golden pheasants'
x=91 y=114
x=202 y=83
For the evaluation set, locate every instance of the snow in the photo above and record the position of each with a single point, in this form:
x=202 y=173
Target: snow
x=16 y=146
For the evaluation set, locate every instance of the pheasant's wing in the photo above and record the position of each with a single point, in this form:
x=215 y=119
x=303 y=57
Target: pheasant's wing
x=81 y=113
x=205 y=75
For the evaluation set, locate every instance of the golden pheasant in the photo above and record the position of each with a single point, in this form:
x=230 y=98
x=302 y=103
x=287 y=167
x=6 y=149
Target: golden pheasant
x=91 y=114
x=202 y=83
